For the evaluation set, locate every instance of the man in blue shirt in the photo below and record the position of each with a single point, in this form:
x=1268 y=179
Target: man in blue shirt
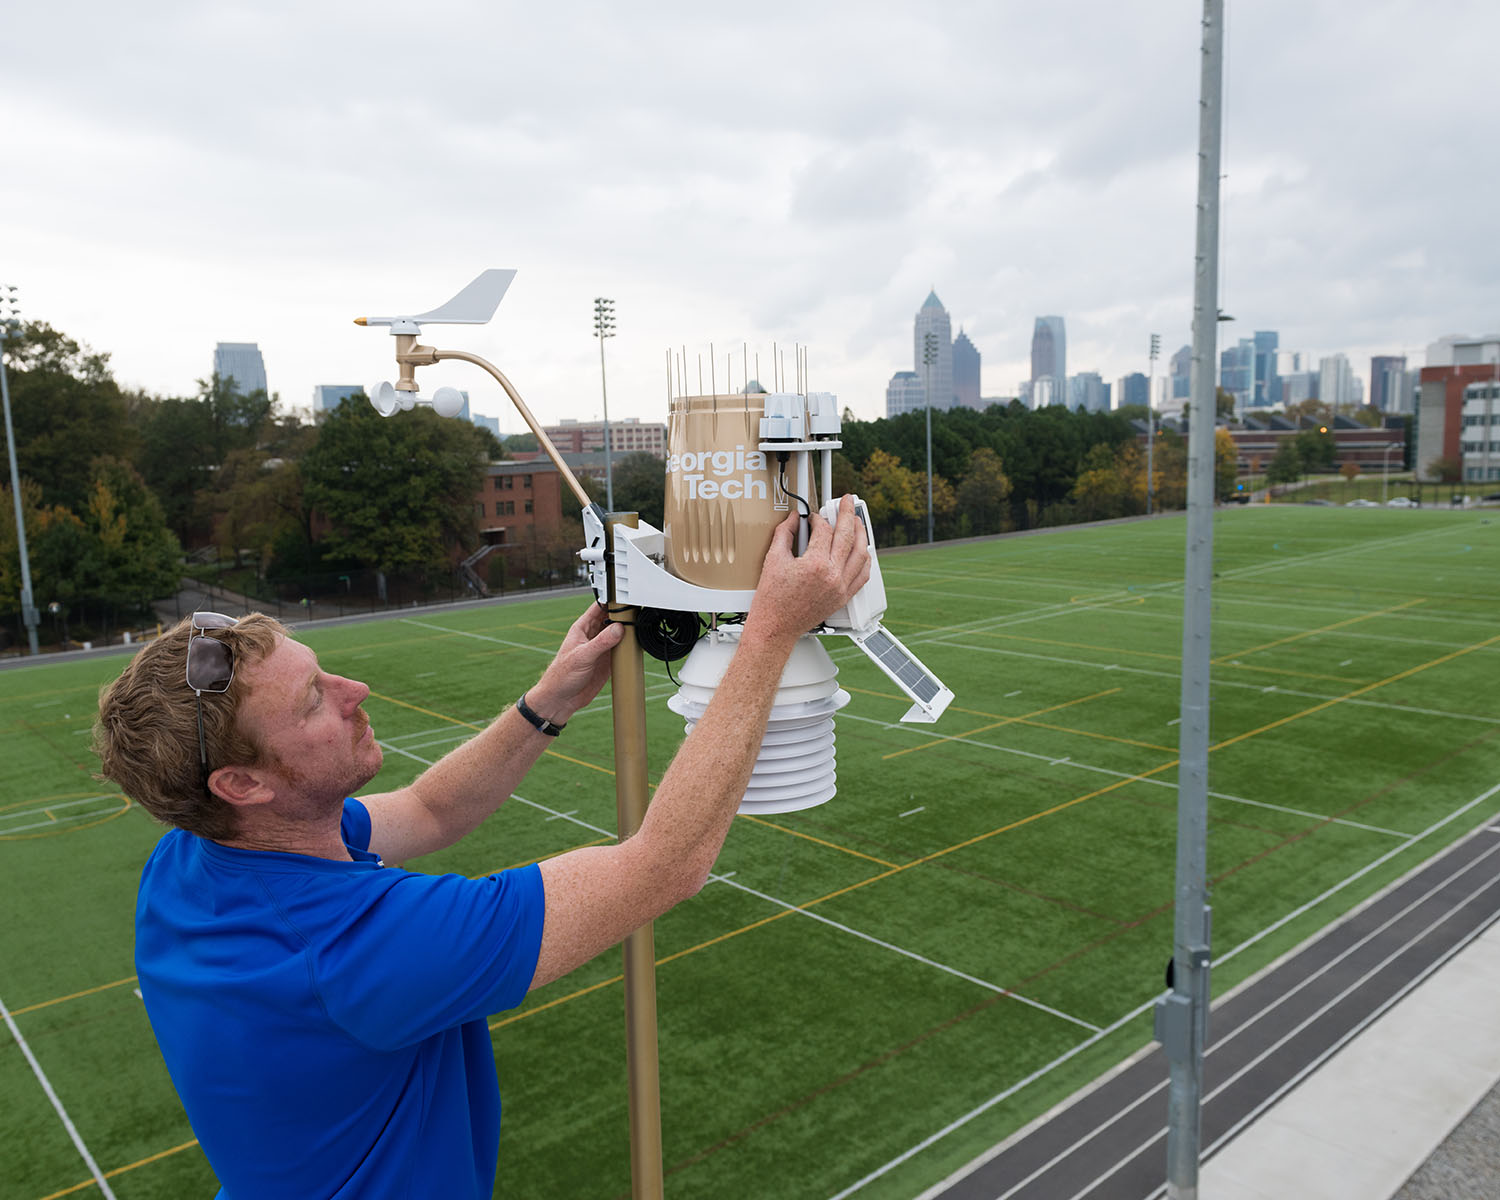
x=322 y=1015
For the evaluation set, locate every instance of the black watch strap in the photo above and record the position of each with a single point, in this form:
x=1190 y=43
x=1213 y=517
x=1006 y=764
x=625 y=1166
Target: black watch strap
x=550 y=728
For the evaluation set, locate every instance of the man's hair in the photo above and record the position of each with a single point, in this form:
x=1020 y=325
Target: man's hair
x=146 y=734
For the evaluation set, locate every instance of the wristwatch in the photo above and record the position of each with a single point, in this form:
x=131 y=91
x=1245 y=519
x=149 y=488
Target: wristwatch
x=550 y=728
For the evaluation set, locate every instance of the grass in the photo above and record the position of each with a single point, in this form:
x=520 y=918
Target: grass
x=832 y=999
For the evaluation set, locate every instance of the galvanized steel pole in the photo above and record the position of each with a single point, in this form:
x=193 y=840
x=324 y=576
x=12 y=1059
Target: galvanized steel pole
x=1182 y=1016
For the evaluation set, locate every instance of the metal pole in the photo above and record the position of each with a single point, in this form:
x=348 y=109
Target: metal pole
x=1182 y=1015
x=929 y=356
x=28 y=607
x=628 y=701
x=1151 y=425
x=604 y=328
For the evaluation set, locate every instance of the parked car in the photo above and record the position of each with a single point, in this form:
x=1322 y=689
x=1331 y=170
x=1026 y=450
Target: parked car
x=1362 y=504
x=1402 y=502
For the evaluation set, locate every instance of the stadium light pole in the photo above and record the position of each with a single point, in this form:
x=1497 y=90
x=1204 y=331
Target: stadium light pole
x=604 y=327
x=1181 y=1016
x=10 y=322
x=929 y=357
x=1151 y=424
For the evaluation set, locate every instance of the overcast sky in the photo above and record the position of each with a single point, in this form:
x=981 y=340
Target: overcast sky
x=799 y=173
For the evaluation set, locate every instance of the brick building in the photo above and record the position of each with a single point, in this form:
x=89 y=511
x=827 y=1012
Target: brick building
x=628 y=436
x=519 y=502
x=1441 y=417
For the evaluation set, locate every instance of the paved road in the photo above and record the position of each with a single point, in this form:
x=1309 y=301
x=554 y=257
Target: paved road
x=1111 y=1143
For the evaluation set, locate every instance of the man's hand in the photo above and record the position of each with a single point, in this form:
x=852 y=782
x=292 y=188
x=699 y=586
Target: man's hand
x=580 y=668
x=796 y=593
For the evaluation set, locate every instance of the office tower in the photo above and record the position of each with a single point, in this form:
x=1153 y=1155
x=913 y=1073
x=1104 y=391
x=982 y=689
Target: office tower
x=1047 y=391
x=1087 y=392
x=1049 y=353
x=1237 y=372
x=1336 y=382
x=240 y=363
x=1180 y=369
x=328 y=396
x=904 y=394
x=1132 y=389
x=1387 y=375
x=1266 y=385
x=933 y=318
x=483 y=422
x=965 y=372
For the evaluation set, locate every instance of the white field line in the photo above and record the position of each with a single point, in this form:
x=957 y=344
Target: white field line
x=1114 y=774
x=571 y=817
x=7 y=831
x=44 y=808
x=984 y=983
x=41 y=1077
x=1364 y=633
x=1218 y=960
x=1218 y=682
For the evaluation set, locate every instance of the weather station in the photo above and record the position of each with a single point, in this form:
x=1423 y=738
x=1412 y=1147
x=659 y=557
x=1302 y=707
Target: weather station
x=737 y=464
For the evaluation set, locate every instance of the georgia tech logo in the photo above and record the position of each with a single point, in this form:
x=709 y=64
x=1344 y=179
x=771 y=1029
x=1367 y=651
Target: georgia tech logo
x=735 y=474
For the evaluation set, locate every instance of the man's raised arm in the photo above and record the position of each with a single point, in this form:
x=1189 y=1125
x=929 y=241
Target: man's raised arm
x=597 y=895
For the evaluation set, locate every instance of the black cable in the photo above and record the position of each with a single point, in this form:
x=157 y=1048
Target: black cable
x=806 y=508
x=667 y=635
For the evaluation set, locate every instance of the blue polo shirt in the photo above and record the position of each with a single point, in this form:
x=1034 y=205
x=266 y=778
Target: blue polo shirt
x=324 y=1022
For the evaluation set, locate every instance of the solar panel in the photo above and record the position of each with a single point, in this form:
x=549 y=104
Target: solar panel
x=907 y=672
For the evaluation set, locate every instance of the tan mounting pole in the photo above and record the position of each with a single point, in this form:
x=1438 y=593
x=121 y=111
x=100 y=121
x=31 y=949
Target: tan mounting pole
x=628 y=700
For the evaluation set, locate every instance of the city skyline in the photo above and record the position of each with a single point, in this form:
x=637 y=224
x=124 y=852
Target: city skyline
x=892 y=156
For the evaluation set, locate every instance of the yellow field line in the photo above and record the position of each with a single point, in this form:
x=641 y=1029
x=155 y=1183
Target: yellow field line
x=150 y=1158
x=1000 y=722
x=809 y=837
x=1296 y=637
x=103 y=987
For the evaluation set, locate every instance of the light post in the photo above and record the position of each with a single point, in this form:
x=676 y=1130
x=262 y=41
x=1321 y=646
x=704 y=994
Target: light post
x=9 y=323
x=1151 y=424
x=1385 y=468
x=604 y=327
x=929 y=357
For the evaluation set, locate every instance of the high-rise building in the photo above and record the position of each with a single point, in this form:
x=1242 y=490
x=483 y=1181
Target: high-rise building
x=904 y=394
x=1132 y=389
x=965 y=371
x=1049 y=353
x=328 y=396
x=1087 y=392
x=1336 y=382
x=1181 y=370
x=1266 y=384
x=1387 y=376
x=483 y=422
x=241 y=364
x=1237 y=372
x=1046 y=391
x=933 y=318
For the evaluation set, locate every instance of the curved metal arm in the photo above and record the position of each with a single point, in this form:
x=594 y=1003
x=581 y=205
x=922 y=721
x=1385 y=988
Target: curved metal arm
x=531 y=423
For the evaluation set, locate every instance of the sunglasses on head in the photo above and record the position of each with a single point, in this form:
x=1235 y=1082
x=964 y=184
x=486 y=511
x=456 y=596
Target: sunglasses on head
x=210 y=668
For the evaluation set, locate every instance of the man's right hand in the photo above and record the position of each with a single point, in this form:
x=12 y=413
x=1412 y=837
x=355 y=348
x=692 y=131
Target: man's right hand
x=797 y=592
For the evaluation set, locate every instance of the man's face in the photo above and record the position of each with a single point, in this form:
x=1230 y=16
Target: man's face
x=309 y=724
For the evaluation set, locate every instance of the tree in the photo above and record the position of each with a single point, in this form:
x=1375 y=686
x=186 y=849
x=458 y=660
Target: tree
x=1286 y=464
x=66 y=411
x=1350 y=471
x=138 y=557
x=1226 y=465
x=1110 y=483
x=1447 y=470
x=889 y=491
x=641 y=486
x=983 y=492
x=1316 y=449
x=398 y=492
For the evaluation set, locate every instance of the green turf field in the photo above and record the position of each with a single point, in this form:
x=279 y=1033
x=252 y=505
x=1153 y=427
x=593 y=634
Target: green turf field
x=832 y=1013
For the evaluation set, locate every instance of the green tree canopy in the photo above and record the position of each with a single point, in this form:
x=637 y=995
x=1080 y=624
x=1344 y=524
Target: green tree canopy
x=641 y=486
x=66 y=410
x=397 y=491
